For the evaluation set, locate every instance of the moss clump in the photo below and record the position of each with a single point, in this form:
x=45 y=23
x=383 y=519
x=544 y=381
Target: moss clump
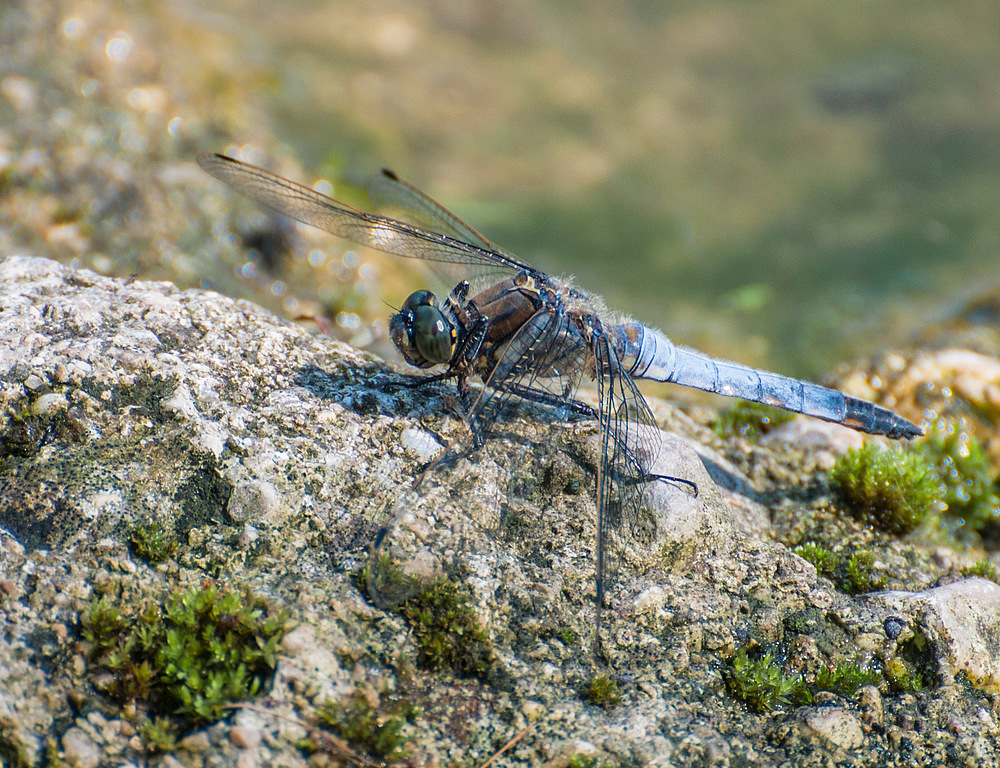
x=386 y=584
x=749 y=420
x=902 y=677
x=964 y=468
x=984 y=569
x=860 y=574
x=853 y=573
x=372 y=723
x=583 y=760
x=150 y=542
x=890 y=488
x=567 y=636
x=602 y=691
x=447 y=630
x=761 y=683
x=159 y=735
x=823 y=559
x=186 y=657
x=845 y=679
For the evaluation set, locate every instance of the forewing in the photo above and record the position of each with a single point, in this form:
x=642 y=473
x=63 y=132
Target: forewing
x=398 y=199
x=379 y=232
x=630 y=442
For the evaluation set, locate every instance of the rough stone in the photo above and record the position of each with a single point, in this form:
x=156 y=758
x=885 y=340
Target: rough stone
x=835 y=724
x=962 y=620
x=279 y=459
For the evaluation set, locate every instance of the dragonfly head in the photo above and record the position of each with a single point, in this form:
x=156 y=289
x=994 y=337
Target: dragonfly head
x=422 y=332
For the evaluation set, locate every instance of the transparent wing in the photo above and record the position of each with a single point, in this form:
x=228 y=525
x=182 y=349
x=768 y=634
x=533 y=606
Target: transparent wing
x=379 y=232
x=543 y=362
x=399 y=199
x=630 y=442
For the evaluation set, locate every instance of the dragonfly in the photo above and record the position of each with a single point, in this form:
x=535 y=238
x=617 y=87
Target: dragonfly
x=528 y=336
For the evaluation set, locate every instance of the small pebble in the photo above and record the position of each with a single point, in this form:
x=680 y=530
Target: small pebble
x=244 y=736
x=196 y=742
x=49 y=404
x=837 y=725
x=421 y=441
x=80 y=750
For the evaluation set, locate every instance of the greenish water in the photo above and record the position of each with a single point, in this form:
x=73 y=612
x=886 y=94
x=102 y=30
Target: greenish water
x=789 y=184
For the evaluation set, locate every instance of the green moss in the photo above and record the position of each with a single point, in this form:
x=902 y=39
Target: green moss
x=582 y=760
x=159 y=735
x=853 y=573
x=845 y=679
x=52 y=757
x=602 y=691
x=964 y=468
x=150 y=542
x=913 y=665
x=860 y=574
x=375 y=727
x=187 y=656
x=902 y=677
x=447 y=630
x=385 y=582
x=104 y=626
x=567 y=636
x=13 y=750
x=823 y=559
x=761 y=683
x=984 y=569
x=749 y=420
x=890 y=488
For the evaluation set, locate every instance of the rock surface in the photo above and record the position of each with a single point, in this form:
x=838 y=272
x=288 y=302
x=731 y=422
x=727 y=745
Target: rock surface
x=274 y=457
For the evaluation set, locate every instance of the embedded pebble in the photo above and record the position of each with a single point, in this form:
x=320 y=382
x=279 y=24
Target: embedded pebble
x=245 y=736
x=80 y=750
x=870 y=705
x=835 y=724
x=253 y=500
x=963 y=621
x=196 y=742
x=421 y=441
x=46 y=405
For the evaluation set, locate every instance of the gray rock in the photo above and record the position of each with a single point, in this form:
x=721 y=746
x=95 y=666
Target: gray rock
x=80 y=750
x=962 y=622
x=277 y=459
x=835 y=724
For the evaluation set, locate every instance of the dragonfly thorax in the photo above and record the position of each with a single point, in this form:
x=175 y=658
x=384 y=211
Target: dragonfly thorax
x=422 y=332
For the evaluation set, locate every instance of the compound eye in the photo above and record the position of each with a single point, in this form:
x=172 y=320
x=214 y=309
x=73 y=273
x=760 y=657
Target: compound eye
x=432 y=333
x=419 y=299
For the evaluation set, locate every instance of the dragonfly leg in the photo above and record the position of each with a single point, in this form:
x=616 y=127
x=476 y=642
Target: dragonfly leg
x=675 y=481
x=413 y=382
x=547 y=398
x=468 y=401
x=472 y=341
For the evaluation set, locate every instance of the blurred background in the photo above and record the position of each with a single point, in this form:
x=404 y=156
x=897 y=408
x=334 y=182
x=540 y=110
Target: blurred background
x=786 y=184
